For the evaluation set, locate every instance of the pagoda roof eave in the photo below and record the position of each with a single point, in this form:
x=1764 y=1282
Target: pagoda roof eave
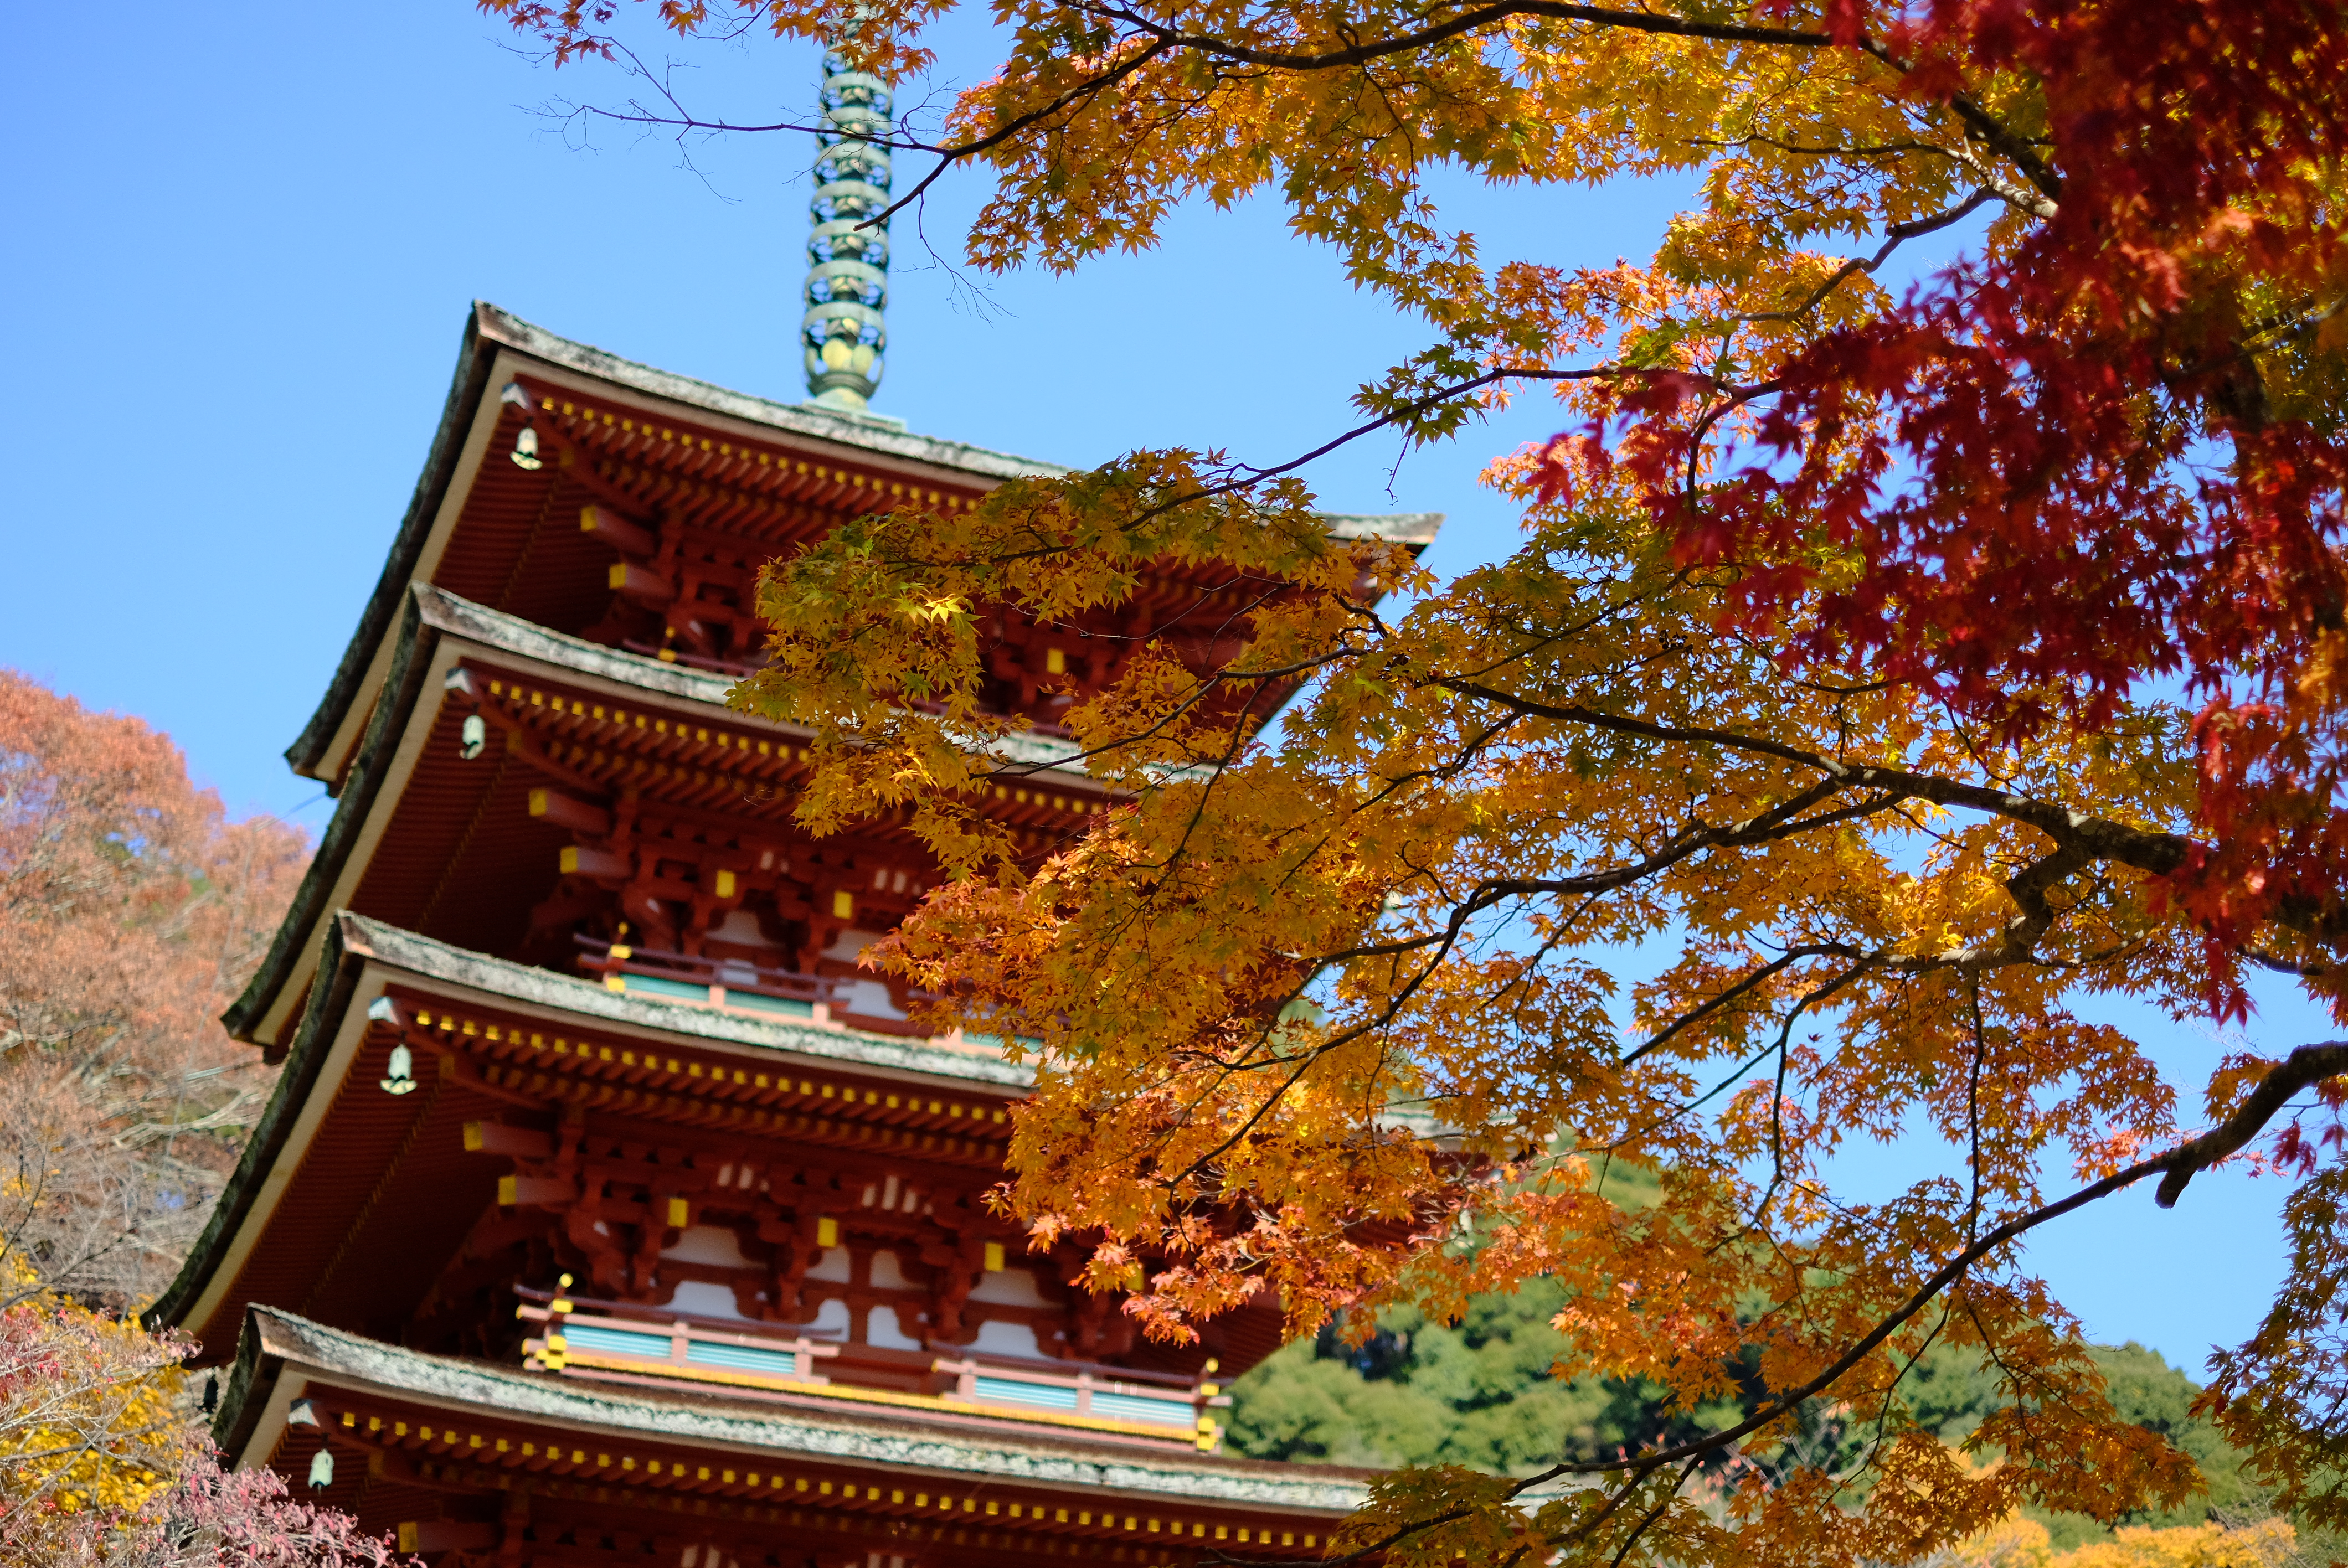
x=876 y=434
x=438 y=628
x=493 y=336
x=281 y=1355
x=298 y=934
x=567 y=995
x=498 y=345
x=1416 y=529
x=361 y=958
x=445 y=611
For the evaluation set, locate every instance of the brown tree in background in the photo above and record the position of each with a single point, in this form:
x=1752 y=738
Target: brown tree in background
x=131 y=910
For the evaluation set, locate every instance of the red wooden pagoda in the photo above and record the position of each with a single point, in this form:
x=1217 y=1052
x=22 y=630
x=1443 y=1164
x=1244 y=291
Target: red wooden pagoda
x=607 y=1212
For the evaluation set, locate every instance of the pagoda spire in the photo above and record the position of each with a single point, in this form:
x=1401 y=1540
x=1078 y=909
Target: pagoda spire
x=843 y=333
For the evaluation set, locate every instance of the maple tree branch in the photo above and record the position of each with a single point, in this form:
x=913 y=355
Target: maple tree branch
x=1440 y=395
x=1750 y=981
x=1737 y=398
x=1993 y=133
x=1769 y=827
x=1778 y=1090
x=2307 y=1065
x=2277 y=964
x=1803 y=150
x=948 y=154
x=1640 y=1471
x=948 y=157
x=1892 y=1388
x=1695 y=1448
x=2029 y=887
x=1896 y=235
x=1922 y=1298
x=1653 y=1513
x=1304 y=1060
x=1465 y=22
x=1158 y=37
x=2144 y=849
x=1984 y=124
x=104 y=1443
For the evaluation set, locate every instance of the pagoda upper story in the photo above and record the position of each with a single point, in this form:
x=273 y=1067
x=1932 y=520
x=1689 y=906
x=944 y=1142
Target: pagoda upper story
x=627 y=511
x=584 y=1080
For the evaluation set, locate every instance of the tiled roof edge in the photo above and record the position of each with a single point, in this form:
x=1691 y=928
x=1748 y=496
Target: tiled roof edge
x=350 y=938
x=328 y=994
x=796 y=418
x=519 y=982
x=1005 y=1456
x=489 y=329
x=1416 y=530
x=375 y=750
x=474 y=358
x=445 y=611
x=511 y=634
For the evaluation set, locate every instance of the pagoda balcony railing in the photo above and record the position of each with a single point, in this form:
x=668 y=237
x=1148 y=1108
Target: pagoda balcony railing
x=1113 y=1398
x=718 y=982
x=682 y=1349
x=732 y=983
x=584 y=1338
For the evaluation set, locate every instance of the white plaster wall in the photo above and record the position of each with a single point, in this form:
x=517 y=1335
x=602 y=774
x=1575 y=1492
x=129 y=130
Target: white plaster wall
x=1013 y=1287
x=716 y=1244
x=1002 y=1338
x=707 y=1298
x=883 y=1328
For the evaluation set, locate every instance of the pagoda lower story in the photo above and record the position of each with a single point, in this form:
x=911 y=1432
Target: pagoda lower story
x=525 y=1270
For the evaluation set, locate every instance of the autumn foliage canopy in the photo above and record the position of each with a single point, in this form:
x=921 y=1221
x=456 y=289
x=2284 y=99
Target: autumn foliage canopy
x=1901 y=671
x=131 y=910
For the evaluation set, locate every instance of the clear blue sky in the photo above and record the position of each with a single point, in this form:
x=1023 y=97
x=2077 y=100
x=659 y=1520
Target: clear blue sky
x=240 y=245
